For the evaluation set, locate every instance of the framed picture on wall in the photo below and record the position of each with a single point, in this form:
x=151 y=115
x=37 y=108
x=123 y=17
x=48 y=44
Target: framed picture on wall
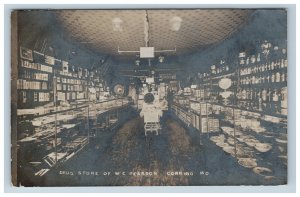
x=26 y=53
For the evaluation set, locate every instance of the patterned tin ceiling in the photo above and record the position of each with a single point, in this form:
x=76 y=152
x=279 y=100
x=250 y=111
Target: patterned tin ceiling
x=106 y=30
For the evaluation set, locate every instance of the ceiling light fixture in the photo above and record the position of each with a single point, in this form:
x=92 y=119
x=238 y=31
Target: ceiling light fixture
x=175 y=23
x=117 y=24
x=161 y=59
x=137 y=62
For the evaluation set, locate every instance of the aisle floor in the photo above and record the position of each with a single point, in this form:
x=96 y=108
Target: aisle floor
x=172 y=158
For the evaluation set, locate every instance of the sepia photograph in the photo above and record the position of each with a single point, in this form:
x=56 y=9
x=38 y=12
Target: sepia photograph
x=149 y=97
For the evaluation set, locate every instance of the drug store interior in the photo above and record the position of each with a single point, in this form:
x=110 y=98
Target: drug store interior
x=169 y=96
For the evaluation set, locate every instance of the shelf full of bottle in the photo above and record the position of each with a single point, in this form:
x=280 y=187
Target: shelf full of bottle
x=262 y=86
x=259 y=87
x=271 y=101
x=264 y=74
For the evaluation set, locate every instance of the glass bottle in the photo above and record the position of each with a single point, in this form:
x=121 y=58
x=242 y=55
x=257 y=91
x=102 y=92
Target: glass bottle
x=264 y=95
x=259 y=79
x=266 y=67
x=253 y=80
x=278 y=77
x=286 y=63
x=273 y=78
x=259 y=68
x=275 y=96
x=248 y=94
x=259 y=101
x=279 y=63
x=248 y=70
x=258 y=57
x=283 y=77
x=269 y=97
x=282 y=63
x=275 y=65
x=268 y=78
